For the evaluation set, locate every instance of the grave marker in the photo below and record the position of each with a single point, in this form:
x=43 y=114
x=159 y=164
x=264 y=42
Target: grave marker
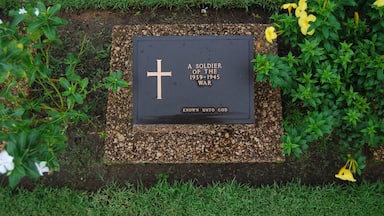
x=245 y=127
x=209 y=79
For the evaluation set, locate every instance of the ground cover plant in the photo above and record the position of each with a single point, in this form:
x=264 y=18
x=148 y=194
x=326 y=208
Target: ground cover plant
x=187 y=199
x=333 y=74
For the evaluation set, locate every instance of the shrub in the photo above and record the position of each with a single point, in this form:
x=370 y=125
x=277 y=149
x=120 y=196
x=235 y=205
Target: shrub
x=333 y=74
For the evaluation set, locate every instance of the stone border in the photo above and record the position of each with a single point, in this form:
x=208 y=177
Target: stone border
x=210 y=143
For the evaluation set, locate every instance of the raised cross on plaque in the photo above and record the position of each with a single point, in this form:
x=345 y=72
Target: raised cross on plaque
x=158 y=74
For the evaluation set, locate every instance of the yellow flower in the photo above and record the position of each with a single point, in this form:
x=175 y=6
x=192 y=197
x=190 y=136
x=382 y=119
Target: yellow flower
x=379 y=3
x=346 y=171
x=356 y=16
x=345 y=174
x=20 y=46
x=270 y=34
x=289 y=6
x=352 y=164
x=304 y=23
x=302 y=6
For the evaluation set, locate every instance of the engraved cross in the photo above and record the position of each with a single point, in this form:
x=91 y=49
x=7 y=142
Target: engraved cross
x=158 y=74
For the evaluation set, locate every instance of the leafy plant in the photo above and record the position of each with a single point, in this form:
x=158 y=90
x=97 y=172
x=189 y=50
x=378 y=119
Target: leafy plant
x=333 y=73
x=38 y=100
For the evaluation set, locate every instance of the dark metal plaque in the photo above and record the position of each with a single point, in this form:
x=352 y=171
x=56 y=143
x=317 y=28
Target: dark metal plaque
x=193 y=80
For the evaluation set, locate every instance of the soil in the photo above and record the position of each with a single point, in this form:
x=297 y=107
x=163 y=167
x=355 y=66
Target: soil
x=81 y=164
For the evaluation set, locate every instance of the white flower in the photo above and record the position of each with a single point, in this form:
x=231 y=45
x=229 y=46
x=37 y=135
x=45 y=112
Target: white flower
x=37 y=12
x=42 y=167
x=6 y=162
x=22 y=11
x=1 y=21
x=204 y=10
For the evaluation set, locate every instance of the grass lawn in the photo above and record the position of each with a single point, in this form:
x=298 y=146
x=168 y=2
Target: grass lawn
x=152 y=4
x=188 y=199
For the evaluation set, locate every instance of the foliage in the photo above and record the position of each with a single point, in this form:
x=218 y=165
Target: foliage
x=187 y=199
x=153 y=4
x=38 y=101
x=334 y=74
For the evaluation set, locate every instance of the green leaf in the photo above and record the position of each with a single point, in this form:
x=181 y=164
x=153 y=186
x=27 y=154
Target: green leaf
x=35 y=26
x=380 y=74
x=18 y=112
x=50 y=32
x=78 y=98
x=325 y=32
x=11 y=147
x=70 y=103
x=352 y=116
x=31 y=170
x=56 y=21
x=17 y=144
x=71 y=60
x=41 y=7
x=16 y=177
x=18 y=19
x=59 y=147
x=122 y=83
x=38 y=46
x=114 y=81
x=64 y=82
x=53 y=10
x=84 y=83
